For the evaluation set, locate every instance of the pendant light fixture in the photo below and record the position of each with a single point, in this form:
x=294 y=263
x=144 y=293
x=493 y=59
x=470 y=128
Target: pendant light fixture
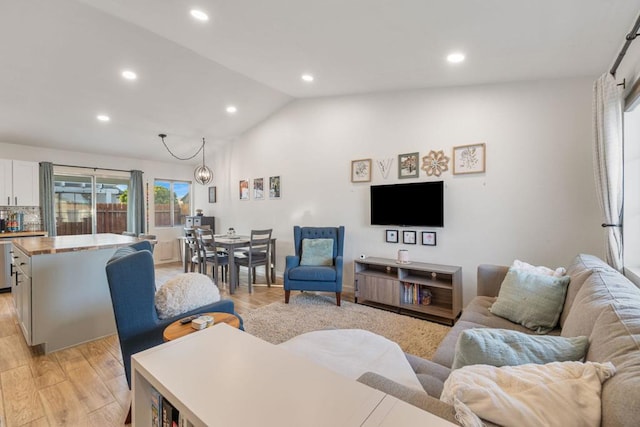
x=202 y=174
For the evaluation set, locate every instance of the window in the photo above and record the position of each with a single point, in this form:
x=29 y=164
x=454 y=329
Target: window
x=89 y=203
x=172 y=202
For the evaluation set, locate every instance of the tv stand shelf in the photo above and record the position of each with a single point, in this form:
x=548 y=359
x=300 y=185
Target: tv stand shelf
x=431 y=291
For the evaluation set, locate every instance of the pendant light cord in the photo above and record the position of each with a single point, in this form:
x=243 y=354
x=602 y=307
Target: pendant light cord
x=163 y=136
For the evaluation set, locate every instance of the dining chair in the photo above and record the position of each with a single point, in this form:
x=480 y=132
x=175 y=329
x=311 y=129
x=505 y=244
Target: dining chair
x=208 y=251
x=258 y=253
x=192 y=254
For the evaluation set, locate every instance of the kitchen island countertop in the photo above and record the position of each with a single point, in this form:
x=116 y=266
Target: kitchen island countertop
x=82 y=242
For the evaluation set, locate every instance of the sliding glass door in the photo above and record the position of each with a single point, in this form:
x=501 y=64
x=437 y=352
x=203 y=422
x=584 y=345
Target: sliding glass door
x=89 y=204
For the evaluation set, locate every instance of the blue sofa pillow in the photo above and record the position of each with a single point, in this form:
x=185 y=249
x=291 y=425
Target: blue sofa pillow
x=503 y=347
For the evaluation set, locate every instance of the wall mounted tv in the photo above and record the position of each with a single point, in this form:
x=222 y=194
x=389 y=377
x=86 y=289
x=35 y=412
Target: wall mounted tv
x=419 y=204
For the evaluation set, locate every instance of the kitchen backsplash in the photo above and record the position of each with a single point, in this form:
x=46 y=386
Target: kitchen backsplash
x=21 y=218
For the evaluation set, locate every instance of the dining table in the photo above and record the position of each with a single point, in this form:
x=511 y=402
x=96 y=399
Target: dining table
x=233 y=243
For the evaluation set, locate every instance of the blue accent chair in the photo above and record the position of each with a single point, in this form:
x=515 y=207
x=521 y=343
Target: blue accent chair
x=314 y=278
x=131 y=277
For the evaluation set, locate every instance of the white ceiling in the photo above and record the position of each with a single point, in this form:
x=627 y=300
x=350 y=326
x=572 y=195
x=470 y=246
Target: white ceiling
x=60 y=60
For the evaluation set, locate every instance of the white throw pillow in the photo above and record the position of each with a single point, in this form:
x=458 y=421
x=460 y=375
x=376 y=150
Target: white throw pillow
x=563 y=394
x=541 y=269
x=185 y=292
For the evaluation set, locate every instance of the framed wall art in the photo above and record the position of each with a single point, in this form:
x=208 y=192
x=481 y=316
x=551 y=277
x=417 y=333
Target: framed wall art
x=275 y=188
x=258 y=188
x=409 y=237
x=361 y=170
x=408 y=165
x=391 y=236
x=429 y=238
x=243 y=187
x=212 y=194
x=469 y=158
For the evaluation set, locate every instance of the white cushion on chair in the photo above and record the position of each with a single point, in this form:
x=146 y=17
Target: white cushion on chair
x=185 y=292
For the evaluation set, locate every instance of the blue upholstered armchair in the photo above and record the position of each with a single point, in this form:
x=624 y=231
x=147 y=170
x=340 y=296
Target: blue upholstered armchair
x=131 y=277
x=320 y=267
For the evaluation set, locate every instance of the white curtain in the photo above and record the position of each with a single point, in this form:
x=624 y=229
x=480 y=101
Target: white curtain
x=608 y=163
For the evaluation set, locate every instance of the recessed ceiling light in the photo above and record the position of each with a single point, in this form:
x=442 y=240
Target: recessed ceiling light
x=455 y=58
x=232 y=109
x=129 y=75
x=199 y=15
x=307 y=78
x=103 y=117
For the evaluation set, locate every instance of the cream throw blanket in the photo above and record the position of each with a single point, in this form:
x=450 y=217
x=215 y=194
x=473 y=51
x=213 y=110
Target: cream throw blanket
x=352 y=352
x=563 y=394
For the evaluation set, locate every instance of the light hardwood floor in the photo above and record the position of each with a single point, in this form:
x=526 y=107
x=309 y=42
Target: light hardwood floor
x=83 y=385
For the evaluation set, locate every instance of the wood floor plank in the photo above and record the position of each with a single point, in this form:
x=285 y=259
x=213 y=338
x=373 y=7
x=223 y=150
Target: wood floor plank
x=13 y=352
x=3 y=420
x=21 y=401
x=120 y=389
x=107 y=416
x=101 y=359
x=89 y=387
x=40 y=422
x=62 y=405
x=46 y=370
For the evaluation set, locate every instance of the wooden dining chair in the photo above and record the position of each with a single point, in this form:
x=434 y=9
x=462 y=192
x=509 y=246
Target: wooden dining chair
x=258 y=253
x=209 y=252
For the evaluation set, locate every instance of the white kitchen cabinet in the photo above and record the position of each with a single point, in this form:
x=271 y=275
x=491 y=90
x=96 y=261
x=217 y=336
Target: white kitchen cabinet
x=20 y=184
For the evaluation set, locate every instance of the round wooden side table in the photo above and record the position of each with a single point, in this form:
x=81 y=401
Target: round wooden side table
x=177 y=330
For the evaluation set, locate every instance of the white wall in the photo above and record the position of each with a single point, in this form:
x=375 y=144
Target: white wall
x=151 y=169
x=536 y=201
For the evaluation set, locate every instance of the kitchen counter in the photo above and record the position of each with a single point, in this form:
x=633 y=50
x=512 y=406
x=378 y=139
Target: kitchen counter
x=83 y=242
x=14 y=234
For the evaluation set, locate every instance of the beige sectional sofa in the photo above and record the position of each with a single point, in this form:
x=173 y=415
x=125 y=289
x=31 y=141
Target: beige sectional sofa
x=600 y=303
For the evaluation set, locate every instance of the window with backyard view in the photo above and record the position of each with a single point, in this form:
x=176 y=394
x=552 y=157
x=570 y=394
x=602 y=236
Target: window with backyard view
x=88 y=204
x=172 y=202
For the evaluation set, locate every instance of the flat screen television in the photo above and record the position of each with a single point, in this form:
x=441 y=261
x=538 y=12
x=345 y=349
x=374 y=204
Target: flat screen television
x=419 y=204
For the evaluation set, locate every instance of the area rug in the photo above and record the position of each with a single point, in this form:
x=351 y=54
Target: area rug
x=306 y=312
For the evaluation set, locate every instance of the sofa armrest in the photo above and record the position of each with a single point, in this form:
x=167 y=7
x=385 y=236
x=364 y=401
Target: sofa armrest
x=415 y=398
x=490 y=279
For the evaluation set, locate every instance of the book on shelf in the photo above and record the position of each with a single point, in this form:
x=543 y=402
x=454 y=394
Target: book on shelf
x=170 y=414
x=156 y=402
x=413 y=293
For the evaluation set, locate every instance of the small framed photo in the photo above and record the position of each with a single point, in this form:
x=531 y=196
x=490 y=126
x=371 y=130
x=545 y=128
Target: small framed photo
x=469 y=158
x=212 y=194
x=243 y=187
x=429 y=238
x=258 y=189
x=409 y=237
x=408 y=165
x=274 y=187
x=361 y=170
x=392 y=236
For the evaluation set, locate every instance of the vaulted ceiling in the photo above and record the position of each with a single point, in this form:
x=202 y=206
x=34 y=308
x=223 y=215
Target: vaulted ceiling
x=61 y=60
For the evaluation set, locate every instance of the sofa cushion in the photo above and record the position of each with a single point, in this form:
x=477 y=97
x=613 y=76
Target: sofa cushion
x=587 y=262
x=185 y=292
x=603 y=287
x=554 y=394
x=430 y=374
x=532 y=300
x=313 y=273
x=503 y=347
x=317 y=252
x=577 y=280
x=616 y=338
